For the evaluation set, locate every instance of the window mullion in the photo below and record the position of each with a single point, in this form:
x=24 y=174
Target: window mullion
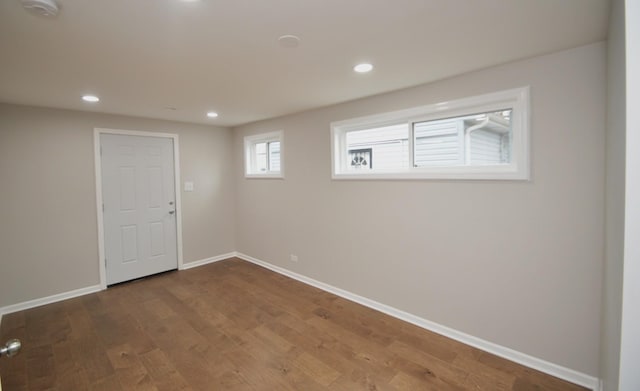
x=341 y=147
x=411 y=146
x=268 y=151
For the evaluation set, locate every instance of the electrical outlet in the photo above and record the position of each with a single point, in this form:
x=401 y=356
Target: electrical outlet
x=294 y=258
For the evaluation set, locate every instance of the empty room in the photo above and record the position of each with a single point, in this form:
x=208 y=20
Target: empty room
x=319 y=195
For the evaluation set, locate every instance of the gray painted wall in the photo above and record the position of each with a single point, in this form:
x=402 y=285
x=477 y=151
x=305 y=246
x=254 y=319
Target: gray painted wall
x=48 y=228
x=524 y=271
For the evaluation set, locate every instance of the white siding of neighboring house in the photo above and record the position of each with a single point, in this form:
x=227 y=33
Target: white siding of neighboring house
x=274 y=155
x=437 y=143
x=388 y=144
x=486 y=147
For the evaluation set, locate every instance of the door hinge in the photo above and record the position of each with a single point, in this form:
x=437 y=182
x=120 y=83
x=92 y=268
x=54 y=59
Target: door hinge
x=103 y=207
x=105 y=262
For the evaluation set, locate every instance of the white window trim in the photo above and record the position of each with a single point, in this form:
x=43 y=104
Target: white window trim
x=249 y=155
x=518 y=169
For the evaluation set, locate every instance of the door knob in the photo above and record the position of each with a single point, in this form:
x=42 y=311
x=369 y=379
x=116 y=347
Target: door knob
x=172 y=212
x=11 y=348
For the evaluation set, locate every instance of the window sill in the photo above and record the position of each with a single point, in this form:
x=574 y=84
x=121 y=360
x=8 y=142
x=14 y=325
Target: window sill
x=264 y=176
x=509 y=173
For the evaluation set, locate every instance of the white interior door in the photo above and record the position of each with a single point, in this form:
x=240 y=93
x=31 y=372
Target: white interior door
x=138 y=192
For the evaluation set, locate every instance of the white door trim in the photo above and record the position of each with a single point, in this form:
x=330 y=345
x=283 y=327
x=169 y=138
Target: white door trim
x=98 y=166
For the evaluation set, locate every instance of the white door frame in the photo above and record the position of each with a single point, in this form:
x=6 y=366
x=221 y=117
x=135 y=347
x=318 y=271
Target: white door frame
x=98 y=165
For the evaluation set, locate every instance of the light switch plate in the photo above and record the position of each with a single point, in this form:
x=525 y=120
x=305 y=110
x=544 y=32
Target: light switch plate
x=188 y=186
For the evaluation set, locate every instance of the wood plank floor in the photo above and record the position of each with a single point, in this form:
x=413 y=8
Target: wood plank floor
x=236 y=326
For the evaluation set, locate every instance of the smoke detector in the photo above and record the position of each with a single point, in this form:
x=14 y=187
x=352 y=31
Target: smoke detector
x=41 y=7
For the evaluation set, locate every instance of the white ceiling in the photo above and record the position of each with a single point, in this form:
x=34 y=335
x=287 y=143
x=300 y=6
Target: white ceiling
x=142 y=57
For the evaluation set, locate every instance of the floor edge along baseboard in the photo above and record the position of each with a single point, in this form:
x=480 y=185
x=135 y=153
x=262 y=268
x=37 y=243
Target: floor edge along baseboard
x=541 y=365
x=206 y=261
x=25 y=305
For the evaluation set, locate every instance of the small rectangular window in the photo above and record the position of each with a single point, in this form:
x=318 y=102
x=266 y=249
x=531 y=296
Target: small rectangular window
x=483 y=137
x=263 y=155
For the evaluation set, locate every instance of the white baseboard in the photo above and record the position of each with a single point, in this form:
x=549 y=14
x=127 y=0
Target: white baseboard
x=49 y=299
x=552 y=369
x=92 y=289
x=205 y=261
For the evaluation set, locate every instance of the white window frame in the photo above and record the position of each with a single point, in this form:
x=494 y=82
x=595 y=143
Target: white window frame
x=516 y=99
x=250 y=142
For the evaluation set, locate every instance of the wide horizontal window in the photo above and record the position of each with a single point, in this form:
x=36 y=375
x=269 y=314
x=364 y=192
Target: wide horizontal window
x=483 y=137
x=263 y=155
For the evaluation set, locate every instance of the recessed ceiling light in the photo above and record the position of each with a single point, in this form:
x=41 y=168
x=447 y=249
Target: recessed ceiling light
x=363 y=68
x=90 y=98
x=41 y=7
x=289 y=41
x=212 y=114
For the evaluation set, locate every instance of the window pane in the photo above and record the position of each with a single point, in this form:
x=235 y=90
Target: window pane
x=274 y=156
x=382 y=148
x=471 y=140
x=490 y=139
x=261 y=157
x=438 y=143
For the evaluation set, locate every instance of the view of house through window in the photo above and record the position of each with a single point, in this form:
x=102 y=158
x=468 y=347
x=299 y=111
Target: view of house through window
x=471 y=140
x=388 y=146
x=478 y=137
x=268 y=156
